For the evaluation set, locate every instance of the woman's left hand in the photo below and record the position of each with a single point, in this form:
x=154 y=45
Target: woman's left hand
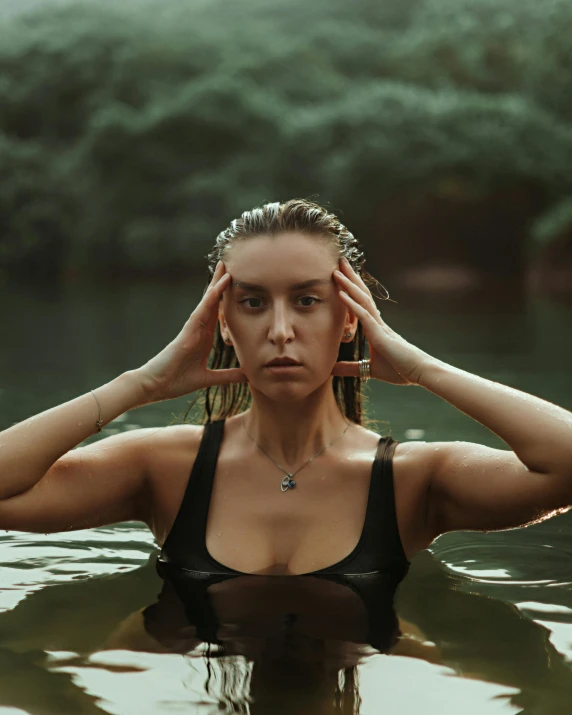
x=393 y=359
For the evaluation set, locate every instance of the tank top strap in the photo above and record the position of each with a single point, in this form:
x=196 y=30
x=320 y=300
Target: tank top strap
x=382 y=518
x=189 y=528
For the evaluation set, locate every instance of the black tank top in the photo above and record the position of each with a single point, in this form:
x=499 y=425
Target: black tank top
x=372 y=571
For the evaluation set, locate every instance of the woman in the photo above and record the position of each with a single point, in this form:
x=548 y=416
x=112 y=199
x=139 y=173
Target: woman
x=294 y=485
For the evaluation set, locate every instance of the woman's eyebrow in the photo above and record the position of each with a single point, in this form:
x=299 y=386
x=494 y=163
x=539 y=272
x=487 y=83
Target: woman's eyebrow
x=296 y=286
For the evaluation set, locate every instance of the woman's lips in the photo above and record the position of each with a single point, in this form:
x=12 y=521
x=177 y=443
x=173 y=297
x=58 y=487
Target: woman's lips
x=282 y=369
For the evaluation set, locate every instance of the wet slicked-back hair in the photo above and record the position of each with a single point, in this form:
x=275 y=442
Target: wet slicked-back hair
x=310 y=219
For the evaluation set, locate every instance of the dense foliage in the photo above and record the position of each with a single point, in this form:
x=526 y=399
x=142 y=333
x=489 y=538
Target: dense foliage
x=131 y=133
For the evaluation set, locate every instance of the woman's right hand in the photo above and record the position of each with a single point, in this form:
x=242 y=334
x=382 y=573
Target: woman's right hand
x=181 y=367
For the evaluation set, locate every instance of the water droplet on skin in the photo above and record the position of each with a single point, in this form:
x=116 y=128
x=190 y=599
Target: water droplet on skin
x=437 y=449
x=219 y=533
x=79 y=424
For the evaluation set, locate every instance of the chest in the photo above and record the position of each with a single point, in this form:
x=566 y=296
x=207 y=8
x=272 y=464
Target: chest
x=254 y=527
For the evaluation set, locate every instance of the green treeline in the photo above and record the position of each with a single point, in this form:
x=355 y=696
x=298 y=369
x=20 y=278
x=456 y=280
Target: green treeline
x=132 y=133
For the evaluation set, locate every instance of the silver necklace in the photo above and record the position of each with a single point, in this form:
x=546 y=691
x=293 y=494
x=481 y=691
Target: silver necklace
x=288 y=482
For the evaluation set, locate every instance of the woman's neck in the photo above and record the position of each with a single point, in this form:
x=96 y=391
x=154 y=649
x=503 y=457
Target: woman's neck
x=291 y=432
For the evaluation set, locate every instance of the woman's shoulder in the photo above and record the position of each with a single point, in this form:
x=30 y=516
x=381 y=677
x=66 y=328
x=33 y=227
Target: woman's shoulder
x=410 y=459
x=414 y=458
x=172 y=441
x=410 y=463
x=170 y=454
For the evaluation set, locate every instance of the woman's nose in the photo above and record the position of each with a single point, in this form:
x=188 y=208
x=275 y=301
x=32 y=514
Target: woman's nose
x=281 y=326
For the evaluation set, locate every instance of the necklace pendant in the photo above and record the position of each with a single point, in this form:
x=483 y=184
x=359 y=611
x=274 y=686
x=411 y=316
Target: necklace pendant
x=287 y=483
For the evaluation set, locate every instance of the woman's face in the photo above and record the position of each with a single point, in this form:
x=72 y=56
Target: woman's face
x=266 y=315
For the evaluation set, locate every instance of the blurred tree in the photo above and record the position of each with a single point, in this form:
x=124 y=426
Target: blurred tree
x=36 y=210
x=133 y=133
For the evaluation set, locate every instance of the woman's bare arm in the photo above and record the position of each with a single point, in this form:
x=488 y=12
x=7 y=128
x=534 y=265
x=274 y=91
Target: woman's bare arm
x=473 y=487
x=30 y=448
x=46 y=485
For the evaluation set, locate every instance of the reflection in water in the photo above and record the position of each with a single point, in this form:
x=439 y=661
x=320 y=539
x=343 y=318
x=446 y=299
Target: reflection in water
x=486 y=638
x=277 y=644
x=297 y=633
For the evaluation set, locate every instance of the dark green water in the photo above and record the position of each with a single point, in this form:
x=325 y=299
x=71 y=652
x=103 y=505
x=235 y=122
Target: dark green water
x=497 y=606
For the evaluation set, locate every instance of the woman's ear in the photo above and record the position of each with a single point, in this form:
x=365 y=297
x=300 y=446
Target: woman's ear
x=351 y=325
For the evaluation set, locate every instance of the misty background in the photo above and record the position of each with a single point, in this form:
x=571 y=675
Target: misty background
x=132 y=133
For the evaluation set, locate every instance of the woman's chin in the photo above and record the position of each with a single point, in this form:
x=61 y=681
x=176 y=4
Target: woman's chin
x=288 y=392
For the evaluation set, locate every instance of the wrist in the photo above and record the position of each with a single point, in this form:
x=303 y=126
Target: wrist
x=145 y=388
x=431 y=373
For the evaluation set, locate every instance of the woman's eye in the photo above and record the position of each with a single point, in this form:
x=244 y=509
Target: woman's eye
x=309 y=297
x=306 y=297
x=246 y=300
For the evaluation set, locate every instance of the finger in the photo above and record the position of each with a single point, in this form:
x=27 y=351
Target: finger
x=348 y=271
x=364 y=316
x=218 y=271
x=346 y=368
x=358 y=296
x=207 y=310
